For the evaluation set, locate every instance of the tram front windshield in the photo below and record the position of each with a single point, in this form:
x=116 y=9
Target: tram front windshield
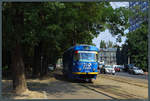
x=85 y=57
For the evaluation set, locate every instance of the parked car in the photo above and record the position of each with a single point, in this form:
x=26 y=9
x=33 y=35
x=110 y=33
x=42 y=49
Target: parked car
x=117 y=68
x=51 y=67
x=128 y=66
x=108 y=69
x=121 y=67
x=136 y=70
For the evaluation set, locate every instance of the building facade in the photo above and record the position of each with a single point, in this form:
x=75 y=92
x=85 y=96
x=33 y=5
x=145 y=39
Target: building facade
x=136 y=19
x=108 y=56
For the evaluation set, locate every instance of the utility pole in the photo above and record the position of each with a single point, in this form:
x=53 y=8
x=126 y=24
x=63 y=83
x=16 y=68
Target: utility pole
x=128 y=59
x=148 y=47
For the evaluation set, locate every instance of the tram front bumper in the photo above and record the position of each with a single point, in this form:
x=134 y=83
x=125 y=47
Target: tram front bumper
x=95 y=73
x=85 y=75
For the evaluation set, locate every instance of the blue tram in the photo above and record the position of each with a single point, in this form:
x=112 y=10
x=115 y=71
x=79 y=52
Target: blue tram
x=81 y=62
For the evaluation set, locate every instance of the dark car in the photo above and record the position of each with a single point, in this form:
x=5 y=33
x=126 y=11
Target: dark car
x=128 y=66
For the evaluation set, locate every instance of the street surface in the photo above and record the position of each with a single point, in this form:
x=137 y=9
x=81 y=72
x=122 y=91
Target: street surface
x=126 y=74
x=104 y=87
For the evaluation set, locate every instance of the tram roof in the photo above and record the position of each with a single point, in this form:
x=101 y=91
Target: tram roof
x=84 y=47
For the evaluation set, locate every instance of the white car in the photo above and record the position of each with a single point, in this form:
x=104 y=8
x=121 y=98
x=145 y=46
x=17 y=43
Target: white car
x=136 y=70
x=108 y=69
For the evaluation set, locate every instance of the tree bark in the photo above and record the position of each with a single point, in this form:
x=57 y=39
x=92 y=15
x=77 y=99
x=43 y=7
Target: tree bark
x=19 y=81
x=18 y=73
x=37 y=62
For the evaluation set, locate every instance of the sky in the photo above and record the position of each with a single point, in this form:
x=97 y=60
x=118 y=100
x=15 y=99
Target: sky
x=106 y=36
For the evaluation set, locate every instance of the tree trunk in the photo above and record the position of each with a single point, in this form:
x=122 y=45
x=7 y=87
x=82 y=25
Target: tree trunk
x=37 y=62
x=18 y=73
x=44 y=70
x=46 y=66
x=19 y=81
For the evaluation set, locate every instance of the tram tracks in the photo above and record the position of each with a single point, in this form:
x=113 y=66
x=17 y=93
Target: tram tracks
x=115 y=91
x=98 y=91
x=123 y=80
x=111 y=93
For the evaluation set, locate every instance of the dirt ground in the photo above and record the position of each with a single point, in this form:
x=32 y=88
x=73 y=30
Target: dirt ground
x=123 y=87
x=58 y=87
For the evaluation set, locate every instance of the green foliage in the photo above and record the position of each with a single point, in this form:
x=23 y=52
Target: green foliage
x=138 y=46
x=5 y=68
x=118 y=22
x=110 y=44
x=102 y=44
x=58 y=26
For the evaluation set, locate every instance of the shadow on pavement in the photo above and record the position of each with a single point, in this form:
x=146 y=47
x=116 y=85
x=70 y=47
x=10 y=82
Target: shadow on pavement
x=55 y=88
x=61 y=77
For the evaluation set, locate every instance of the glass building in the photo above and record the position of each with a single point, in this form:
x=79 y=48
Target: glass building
x=136 y=19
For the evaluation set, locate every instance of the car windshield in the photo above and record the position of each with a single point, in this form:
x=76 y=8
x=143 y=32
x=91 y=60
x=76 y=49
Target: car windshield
x=131 y=65
x=86 y=57
x=108 y=66
x=136 y=68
